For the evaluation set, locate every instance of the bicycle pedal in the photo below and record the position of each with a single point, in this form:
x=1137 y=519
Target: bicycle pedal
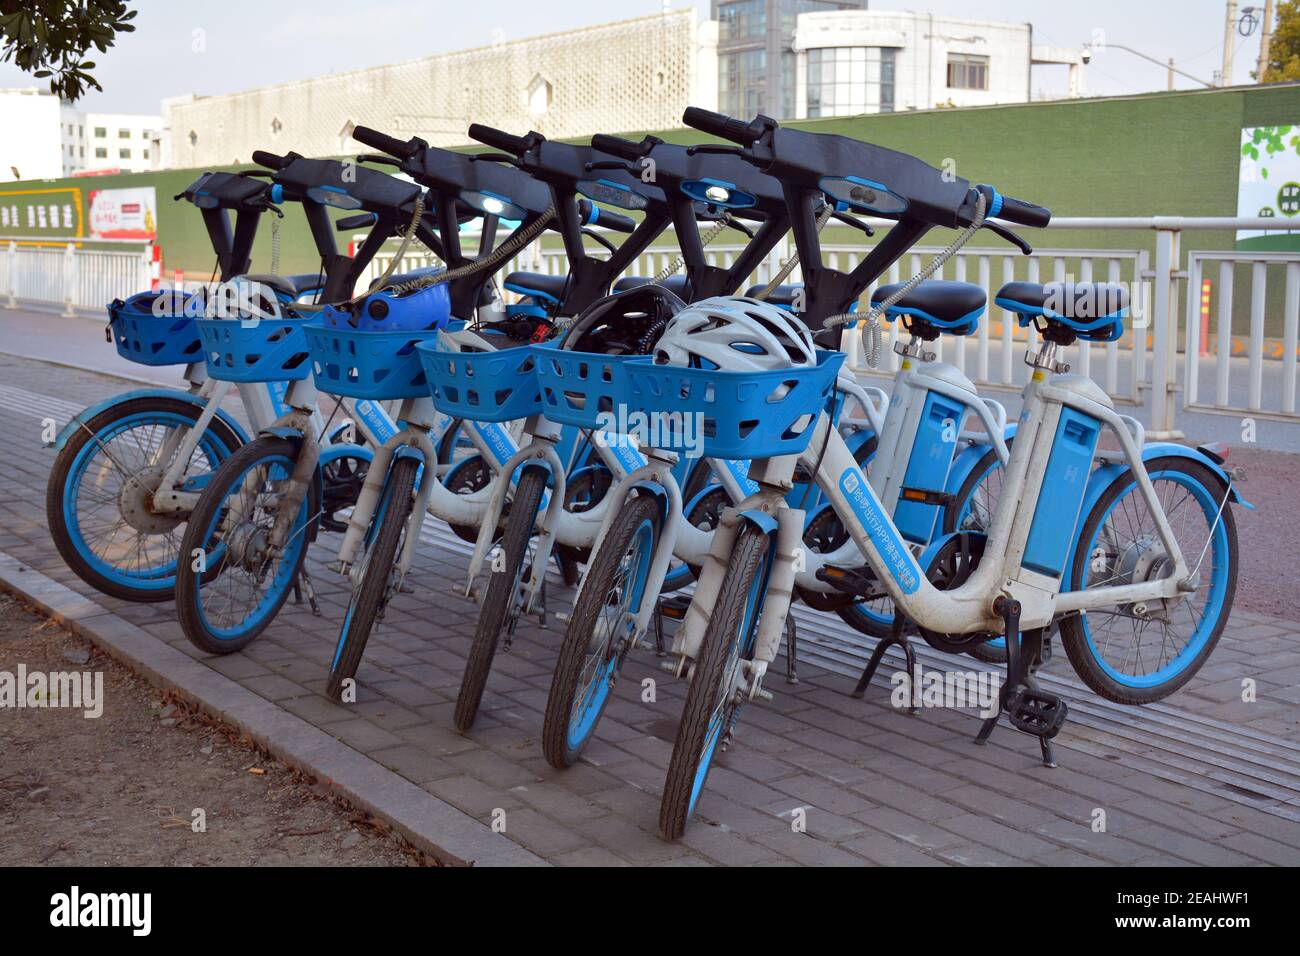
x=1036 y=712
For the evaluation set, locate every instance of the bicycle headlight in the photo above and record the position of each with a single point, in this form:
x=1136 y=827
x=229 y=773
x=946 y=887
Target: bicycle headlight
x=333 y=196
x=717 y=193
x=492 y=204
x=864 y=195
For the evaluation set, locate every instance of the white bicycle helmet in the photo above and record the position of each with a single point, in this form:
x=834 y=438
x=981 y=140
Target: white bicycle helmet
x=736 y=334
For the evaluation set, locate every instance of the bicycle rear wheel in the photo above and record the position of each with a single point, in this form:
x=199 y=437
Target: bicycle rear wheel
x=99 y=498
x=1143 y=652
x=375 y=571
x=502 y=602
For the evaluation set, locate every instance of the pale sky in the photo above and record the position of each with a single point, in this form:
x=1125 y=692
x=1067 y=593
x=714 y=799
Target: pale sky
x=252 y=43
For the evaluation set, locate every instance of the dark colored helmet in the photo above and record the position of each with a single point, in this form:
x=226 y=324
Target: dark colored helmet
x=625 y=323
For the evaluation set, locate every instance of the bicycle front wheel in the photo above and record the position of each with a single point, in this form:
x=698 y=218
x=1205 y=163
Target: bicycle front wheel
x=374 y=572
x=502 y=603
x=711 y=706
x=232 y=580
x=99 y=501
x=596 y=640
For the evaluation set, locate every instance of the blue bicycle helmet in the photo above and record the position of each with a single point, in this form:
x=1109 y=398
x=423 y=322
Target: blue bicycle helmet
x=392 y=310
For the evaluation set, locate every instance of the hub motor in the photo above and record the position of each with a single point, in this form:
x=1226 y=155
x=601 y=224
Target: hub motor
x=136 y=503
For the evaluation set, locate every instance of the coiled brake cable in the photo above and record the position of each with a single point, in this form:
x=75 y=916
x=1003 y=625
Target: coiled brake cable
x=675 y=266
x=871 y=330
x=784 y=272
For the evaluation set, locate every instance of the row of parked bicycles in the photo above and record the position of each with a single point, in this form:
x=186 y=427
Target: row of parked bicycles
x=676 y=450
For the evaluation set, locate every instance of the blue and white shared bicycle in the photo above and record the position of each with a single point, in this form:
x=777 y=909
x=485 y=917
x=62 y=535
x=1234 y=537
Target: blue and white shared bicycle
x=1141 y=600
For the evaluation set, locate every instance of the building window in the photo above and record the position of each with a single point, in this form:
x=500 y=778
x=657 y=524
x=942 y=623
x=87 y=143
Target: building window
x=742 y=19
x=123 y=154
x=742 y=80
x=146 y=154
x=845 y=81
x=101 y=152
x=194 y=138
x=81 y=151
x=101 y=132
x=540 y=94
x=124 y=134
x=968 y=72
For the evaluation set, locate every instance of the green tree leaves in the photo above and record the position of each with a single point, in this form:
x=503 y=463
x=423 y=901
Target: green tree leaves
x=50 y=38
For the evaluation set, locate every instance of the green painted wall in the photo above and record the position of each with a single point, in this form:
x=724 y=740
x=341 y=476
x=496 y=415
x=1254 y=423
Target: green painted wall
x=1155 y=154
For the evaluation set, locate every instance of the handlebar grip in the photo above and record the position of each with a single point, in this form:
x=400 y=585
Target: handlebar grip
x=498 y=139
x=269 y=160
x=593 y=215
x=717 y=124
x=383 y=142
x=616 y=146
x=1023 y=213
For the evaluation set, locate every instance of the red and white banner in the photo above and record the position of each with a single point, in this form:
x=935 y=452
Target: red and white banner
x=124 y=214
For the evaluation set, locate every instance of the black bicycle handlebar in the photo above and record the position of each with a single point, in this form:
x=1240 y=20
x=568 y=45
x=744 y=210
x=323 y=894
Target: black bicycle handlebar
x=270 y=160
x=1023 y=213
x=617 y=146
x=498 y=139
x=403 y=149
x=718 y=124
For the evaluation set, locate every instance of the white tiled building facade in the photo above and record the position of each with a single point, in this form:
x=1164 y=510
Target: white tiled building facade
x=637 y=74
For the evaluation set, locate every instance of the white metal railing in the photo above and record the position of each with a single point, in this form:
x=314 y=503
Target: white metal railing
x=36 y=270
x=1229 y=363
x=1250 y=373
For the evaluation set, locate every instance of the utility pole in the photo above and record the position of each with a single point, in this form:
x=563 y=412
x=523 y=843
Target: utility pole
x=1171 y=74
x=1229 y=42
x=1265 y=40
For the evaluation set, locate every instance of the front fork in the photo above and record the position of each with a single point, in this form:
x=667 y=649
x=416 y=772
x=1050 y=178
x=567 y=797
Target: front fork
x=776 y=592
x=538 y=452
x=363 y=512
x=657 y=471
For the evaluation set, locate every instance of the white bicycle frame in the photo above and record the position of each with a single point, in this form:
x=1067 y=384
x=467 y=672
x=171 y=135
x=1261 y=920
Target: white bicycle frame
x=913 y=385
x=968 y=608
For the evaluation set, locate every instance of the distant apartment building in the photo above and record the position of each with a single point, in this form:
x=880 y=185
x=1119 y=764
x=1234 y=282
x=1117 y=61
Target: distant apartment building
x=59 y=140
x=756 y=57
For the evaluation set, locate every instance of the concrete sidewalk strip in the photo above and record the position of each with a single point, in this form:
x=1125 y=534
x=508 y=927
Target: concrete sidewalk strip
x=430 y=824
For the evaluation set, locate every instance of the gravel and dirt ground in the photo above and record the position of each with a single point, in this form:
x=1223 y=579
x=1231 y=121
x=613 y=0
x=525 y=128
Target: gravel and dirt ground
x=123 y=788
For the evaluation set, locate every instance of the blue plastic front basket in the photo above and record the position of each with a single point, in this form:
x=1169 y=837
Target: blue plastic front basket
x=374 y=365
x=482 y=386
x=140 y=336
x=582 y=388
x=265 y=350
x=739 y=415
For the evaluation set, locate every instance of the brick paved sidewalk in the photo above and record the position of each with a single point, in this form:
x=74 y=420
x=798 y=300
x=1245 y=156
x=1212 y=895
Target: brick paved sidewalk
x=1201 y=779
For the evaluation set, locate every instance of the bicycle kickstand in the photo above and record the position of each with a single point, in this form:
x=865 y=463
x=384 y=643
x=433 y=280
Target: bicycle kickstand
x=897 y=636
x=301 y=584
x=1030 y=709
